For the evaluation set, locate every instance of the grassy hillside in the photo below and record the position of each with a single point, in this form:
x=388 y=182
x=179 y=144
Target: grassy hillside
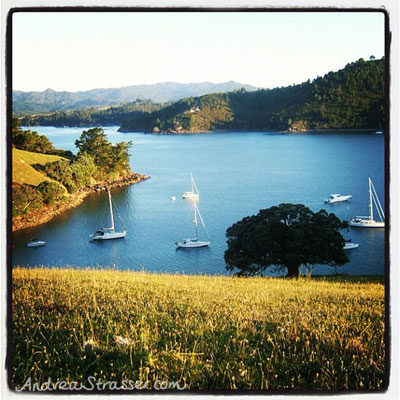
x=352 y=98
x=22 y=170
x=202 y=331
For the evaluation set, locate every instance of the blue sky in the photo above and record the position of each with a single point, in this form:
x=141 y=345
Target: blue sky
x=81 y=51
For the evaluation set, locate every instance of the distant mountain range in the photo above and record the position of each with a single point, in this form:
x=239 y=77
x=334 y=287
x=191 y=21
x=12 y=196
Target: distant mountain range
x=51 y=100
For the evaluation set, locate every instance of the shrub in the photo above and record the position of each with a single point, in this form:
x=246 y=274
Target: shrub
x=25 y=198
x=83 y=168
x=61 y=172
x=51 y=192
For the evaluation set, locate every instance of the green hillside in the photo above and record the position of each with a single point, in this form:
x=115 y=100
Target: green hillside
x=352 y=98
x=22 y=170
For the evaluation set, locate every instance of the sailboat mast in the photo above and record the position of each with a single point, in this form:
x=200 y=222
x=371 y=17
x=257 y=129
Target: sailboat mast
x=191 y=181
x=371 y=212
x=195 y=219
x=111 y=210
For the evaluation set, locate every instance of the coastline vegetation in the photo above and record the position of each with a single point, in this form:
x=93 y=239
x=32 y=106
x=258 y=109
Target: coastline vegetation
x=208 y=332
x=44 y=185
x=103 y=116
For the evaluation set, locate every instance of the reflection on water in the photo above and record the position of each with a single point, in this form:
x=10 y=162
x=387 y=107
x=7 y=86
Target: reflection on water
x=237 y=175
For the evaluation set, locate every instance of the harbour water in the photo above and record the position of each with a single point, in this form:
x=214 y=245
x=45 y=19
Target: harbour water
x=237 y=174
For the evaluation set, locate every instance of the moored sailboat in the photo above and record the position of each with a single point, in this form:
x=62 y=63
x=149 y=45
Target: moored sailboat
x=195 y=242
x=109 y=233
x=194 y=192
x=368 y=221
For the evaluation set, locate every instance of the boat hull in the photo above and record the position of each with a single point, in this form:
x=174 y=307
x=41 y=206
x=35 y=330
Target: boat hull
x=186 y=244
x=338 y=200
x=190 y=196
x=35 y=244
x=350 y=246
x=365 y=223
x=109 y=236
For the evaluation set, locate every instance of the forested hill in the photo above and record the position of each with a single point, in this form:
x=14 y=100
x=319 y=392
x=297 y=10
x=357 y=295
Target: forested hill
x=101 y=116
x=350 y=98
x=51 y=100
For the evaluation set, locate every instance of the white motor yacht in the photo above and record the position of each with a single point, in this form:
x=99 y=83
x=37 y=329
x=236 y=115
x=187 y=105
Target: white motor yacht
x=35 y=243
x=336 y=198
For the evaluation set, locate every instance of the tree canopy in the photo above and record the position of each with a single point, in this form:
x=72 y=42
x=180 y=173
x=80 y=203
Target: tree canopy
x=287 y=236
x=108 y=158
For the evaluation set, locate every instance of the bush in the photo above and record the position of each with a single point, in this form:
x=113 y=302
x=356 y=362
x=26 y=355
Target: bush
x=61 y=172
x=83 y=168
x=25 y=198
x=51 y=192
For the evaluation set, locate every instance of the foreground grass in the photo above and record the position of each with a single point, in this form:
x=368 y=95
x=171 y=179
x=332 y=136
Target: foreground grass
x=22 y=170
x=206 y=332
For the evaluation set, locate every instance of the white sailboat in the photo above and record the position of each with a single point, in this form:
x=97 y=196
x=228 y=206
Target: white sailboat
x=109 y=233
x=368 y=221
x=193 y=193
x=195 y=242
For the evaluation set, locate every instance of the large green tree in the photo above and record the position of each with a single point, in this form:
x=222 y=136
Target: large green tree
x=287 y=236
x=107 y=157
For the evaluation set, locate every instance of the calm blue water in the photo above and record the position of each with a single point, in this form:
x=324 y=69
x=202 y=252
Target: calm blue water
x=237 y=175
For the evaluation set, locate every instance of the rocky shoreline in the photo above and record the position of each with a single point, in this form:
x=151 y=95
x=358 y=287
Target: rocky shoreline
x=46 y=213
x=295 y=129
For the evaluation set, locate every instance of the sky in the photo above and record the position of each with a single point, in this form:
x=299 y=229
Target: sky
x=82 y=51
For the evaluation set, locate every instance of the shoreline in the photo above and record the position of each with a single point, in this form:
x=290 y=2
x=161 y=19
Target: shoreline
x=371 y=131
x=46 y=213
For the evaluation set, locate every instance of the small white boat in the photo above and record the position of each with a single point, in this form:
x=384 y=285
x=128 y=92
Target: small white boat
x=109 y=233
x=336 y=198
x=173 y=197
x=195 y=242
x=193 y=193
x=35 y=243
x=350 y=245
x=379 y=133
x=368 y=221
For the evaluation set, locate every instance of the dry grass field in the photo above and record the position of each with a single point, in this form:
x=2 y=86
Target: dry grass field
x=206 y=332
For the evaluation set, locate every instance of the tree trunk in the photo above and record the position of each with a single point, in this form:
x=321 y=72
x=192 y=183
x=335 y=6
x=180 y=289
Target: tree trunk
x=293 y=271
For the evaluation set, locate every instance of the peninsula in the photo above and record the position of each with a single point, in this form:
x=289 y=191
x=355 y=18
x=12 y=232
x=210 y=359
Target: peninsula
x=48 y=181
